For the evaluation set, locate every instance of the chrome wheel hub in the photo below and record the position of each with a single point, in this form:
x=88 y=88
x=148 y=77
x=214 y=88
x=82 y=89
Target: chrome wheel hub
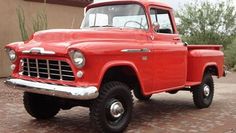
x=206 y=90
x=116 y=109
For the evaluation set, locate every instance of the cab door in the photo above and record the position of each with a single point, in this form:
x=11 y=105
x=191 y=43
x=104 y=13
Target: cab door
x=170 y=55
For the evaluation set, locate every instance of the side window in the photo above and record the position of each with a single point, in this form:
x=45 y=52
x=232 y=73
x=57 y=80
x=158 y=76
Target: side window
x=162 y=18
x=153 y=16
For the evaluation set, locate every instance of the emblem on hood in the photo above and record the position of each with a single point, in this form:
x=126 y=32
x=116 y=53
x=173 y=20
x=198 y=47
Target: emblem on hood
x=38 y=50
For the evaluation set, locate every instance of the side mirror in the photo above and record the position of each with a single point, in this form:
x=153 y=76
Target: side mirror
x=155 y=26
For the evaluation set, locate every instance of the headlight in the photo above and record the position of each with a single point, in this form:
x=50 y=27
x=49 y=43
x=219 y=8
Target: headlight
x=11 y=54
x=78 y=58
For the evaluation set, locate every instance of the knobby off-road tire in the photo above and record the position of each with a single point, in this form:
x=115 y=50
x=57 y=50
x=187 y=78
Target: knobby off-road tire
x=203 y=94
x=40 y=106
x=139 y=95
x=111 y=111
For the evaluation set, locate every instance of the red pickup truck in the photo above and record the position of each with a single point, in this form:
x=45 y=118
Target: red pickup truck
x=123 y=46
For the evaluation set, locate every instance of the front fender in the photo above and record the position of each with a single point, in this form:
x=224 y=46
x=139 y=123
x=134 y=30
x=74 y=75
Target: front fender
x=116 y=63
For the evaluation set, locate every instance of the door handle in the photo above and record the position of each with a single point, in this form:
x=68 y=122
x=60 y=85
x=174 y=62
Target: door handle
x=143 y=50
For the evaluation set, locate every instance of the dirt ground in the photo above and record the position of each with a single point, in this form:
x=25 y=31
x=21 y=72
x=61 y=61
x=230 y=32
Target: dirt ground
x=165 y=113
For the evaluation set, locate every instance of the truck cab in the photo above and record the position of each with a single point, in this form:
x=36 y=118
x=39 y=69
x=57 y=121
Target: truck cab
x=122 y=47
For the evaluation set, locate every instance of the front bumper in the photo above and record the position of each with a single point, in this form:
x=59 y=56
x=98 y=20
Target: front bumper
x=78 y=93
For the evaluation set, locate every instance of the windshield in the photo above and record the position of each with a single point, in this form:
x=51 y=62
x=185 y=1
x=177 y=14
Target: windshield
x=121 y=16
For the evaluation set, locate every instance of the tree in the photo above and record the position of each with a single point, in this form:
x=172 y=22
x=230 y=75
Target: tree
x=204 y=22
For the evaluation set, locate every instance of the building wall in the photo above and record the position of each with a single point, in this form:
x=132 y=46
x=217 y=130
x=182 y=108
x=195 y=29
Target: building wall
x=59 y=16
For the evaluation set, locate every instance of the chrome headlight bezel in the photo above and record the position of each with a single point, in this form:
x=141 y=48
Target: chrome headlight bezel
x=78 y=58
x=11 y=54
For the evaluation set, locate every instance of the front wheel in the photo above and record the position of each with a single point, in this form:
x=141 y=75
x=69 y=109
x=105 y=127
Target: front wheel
x=203 y=94
x=41 y=106
x=111 y=111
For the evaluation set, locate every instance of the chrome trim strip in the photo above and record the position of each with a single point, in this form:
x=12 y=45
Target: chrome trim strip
x=79 y=93
x=28 y=66
x=143 y=50
x=38 y=50
x=59 y=63
x=37 y=68
x=48 y=69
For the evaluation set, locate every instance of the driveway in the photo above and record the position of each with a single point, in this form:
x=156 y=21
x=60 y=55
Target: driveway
x=165 y=113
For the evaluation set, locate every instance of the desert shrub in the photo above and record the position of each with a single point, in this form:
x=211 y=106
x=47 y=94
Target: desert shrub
x=39 y=22
x=22 y=25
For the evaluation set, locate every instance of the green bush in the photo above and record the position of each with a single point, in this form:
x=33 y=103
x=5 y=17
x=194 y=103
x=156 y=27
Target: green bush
x=207 y=22
x=230 y=55
x=234 y=69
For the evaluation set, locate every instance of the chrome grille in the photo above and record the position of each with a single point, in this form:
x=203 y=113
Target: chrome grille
x=49 y=69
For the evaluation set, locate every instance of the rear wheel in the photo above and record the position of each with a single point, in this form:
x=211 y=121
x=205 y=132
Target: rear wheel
x=203 y=94
x=41 y=106
x=111 y=111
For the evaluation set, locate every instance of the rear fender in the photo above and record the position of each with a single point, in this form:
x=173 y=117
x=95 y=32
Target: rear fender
x=210 y=65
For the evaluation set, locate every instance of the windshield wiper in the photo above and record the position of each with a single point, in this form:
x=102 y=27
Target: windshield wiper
x=101 y=26
x=107 y=26
x=94 y=26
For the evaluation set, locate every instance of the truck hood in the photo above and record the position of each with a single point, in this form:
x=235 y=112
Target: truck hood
x=60 y=40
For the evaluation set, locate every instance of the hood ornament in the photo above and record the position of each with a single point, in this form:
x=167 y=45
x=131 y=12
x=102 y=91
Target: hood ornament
x=38 y=50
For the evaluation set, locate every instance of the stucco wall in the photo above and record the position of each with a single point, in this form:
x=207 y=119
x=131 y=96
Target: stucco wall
x=59 y=16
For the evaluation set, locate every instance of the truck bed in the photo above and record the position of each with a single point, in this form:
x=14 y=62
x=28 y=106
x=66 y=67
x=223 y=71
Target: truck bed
x=200 y=57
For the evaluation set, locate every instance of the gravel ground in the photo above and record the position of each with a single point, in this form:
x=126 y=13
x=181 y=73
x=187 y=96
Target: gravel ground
x=165 y=113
